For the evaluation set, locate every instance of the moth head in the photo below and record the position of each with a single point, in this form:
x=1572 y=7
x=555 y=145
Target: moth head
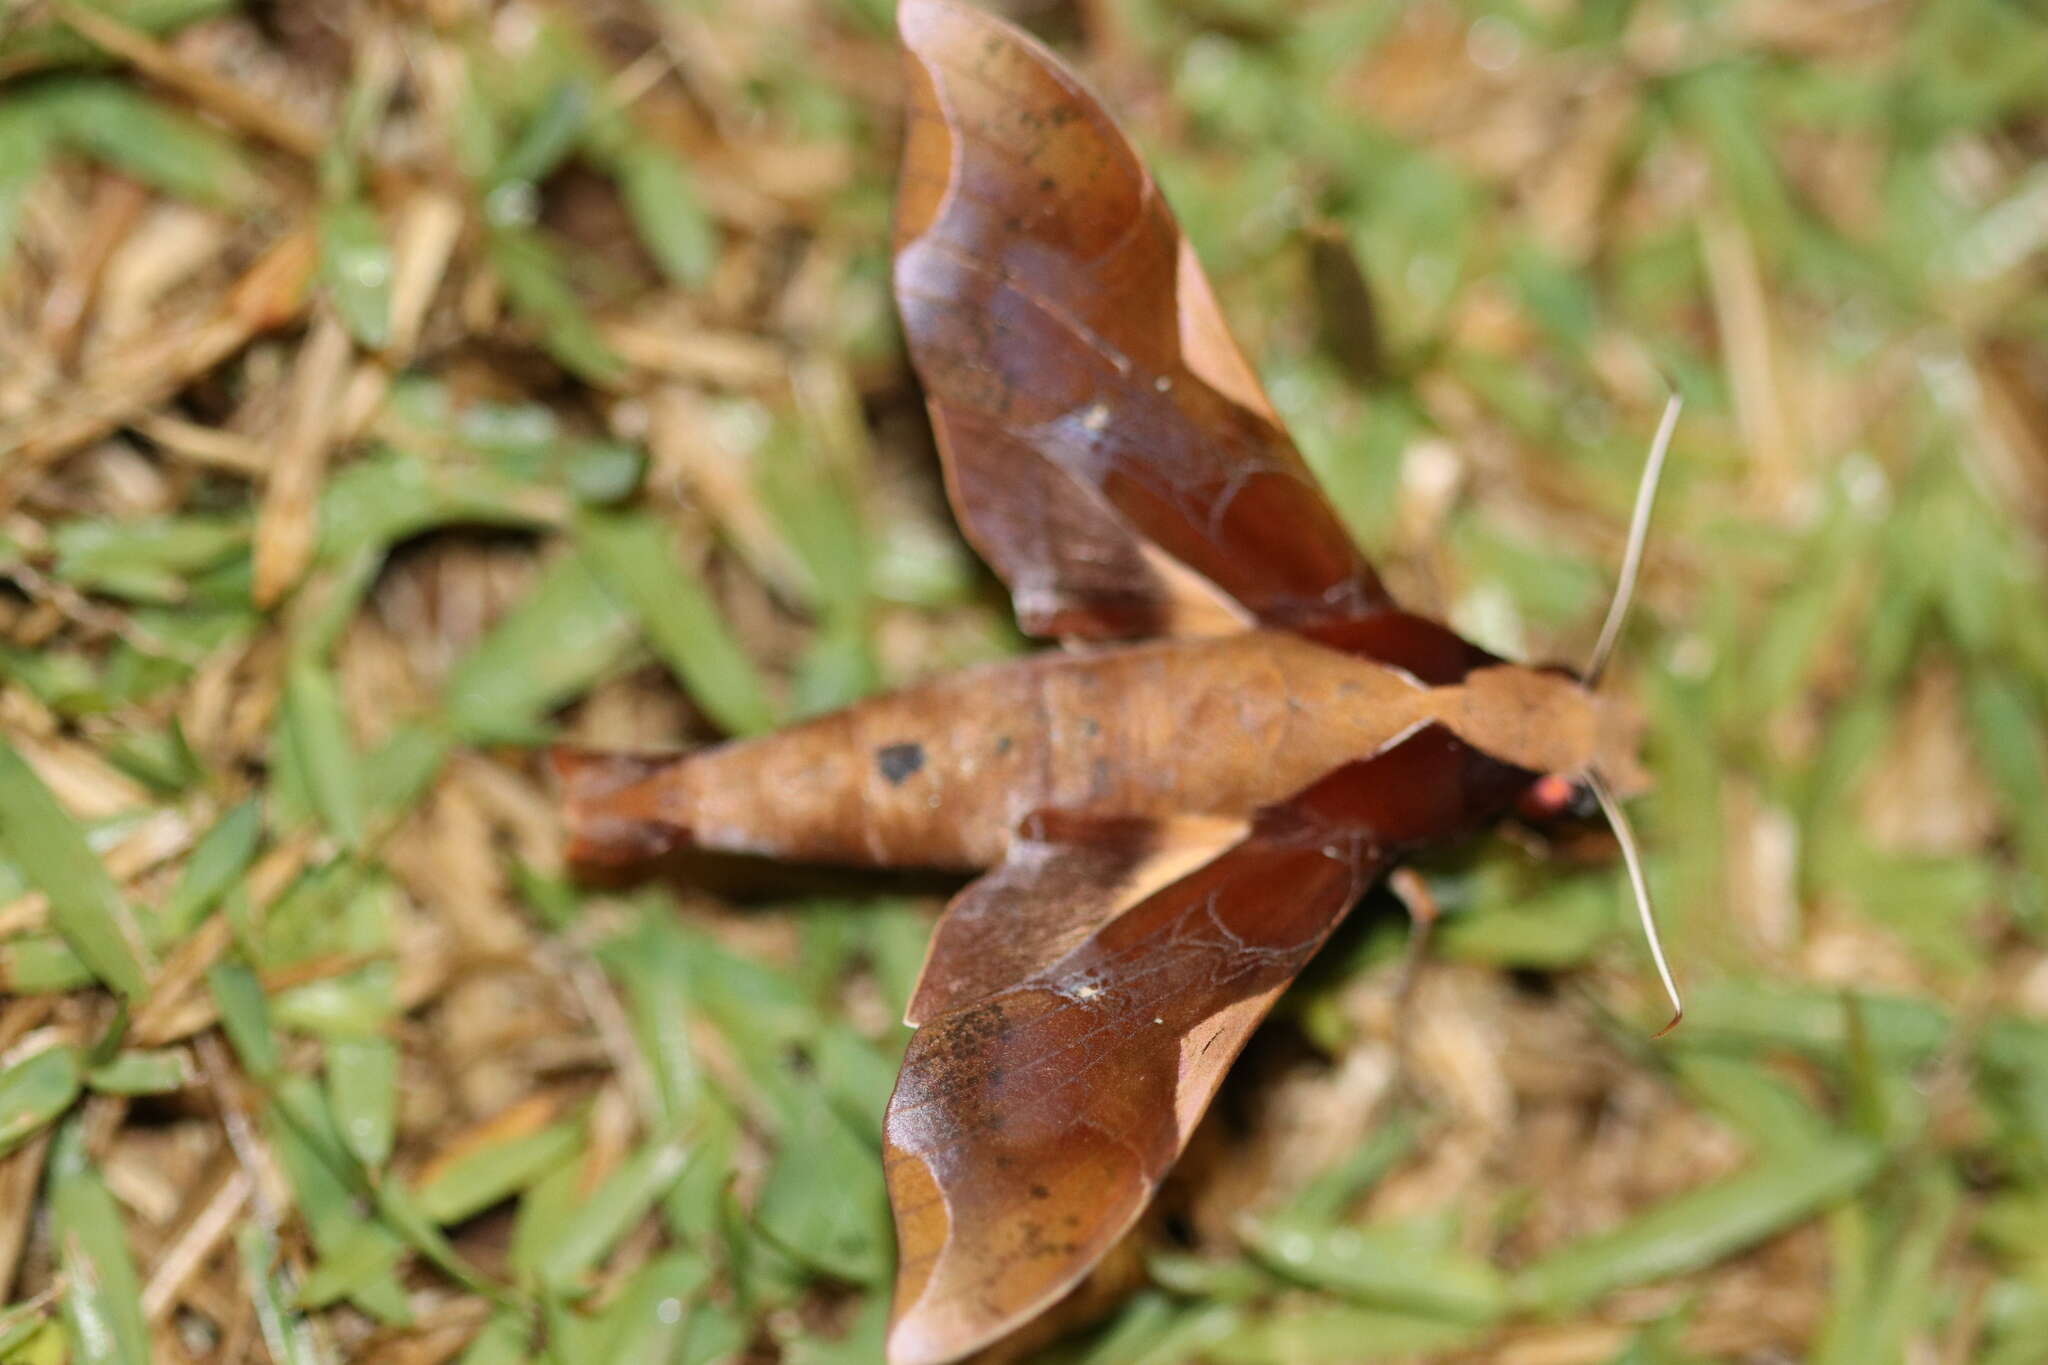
x=1565 y=797
x=1564 y=731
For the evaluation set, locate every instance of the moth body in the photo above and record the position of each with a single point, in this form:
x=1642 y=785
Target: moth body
x=944 y=774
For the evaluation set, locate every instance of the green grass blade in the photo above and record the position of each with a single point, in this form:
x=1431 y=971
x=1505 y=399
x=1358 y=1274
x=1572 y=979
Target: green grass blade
x=103 y=1305
x=355 y=268
x=1753 y=1099
x=217 y=863
x=48 y=41
x=2012 y=739
x=1337 y=1334
x=824 y=1202
x=1701 y=1226
x=537 y=283
x=1385 y=1268
x=667 y=213
x=29 y=1334
x=549 y=136
x=41 y=964
x=85 y=906
x=1809 y=1019
x=327 y=1187
x=35 y=1092
x=502 y=1342
x=650 y=1319
x=568 y=632
x=362 y=1089
x=1900 y=1300
x=286 y=1331
x=632 y=554
x=115 y=122
x=589 y=1233
x=354 y=1265
x=245 y=1018
x=319 y=755
x=153 y=560
x=24 y=151
x=496 y=1171
x=142 y=1072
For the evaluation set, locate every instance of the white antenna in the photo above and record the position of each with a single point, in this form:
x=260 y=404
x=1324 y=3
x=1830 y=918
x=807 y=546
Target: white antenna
x=1638 y=532
x=1626 y=837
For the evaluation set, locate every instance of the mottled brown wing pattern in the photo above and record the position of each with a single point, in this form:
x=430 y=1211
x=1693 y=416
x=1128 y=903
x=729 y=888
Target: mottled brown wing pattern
x=1065 y=877
x=1030 y=1126
x=1029 y=1129
x=1106 y=445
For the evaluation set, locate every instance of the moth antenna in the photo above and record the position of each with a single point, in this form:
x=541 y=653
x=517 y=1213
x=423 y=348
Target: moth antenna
x=1638 y=533
x=1625 y=835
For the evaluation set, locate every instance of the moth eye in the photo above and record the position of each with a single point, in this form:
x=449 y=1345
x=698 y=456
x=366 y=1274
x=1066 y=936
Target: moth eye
x=1553 y=798
x=1551 y=795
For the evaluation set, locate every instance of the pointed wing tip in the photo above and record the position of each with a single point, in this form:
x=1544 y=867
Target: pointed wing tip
x=917 y=20
x=915 y=1339
x=911 y=1343
x=613 y=812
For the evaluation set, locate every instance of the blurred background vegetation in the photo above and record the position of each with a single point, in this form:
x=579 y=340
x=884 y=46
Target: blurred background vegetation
x=392 y=387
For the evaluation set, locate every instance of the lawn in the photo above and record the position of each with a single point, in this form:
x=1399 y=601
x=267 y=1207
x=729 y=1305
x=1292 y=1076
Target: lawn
x=389 y=390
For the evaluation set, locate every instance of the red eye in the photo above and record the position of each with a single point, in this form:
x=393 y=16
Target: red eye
x=1549 y=797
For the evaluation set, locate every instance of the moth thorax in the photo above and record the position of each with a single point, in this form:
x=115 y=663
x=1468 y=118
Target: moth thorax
x=1535 y=719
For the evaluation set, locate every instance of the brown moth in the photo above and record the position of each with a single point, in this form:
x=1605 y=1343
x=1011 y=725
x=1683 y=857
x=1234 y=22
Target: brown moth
x=1174 y=812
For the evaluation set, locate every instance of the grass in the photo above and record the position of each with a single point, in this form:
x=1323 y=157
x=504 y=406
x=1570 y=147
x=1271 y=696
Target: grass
x=394 y=389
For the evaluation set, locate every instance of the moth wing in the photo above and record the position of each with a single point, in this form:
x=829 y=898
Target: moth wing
x=1066 y=875
x=1106 y=446
x=1031 y=1123
x=1030 y=1127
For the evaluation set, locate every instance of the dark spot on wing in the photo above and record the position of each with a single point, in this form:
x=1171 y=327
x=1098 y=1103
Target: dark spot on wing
x=899 y=762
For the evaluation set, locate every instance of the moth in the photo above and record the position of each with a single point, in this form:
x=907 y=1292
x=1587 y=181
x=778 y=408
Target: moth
x=1173 y=812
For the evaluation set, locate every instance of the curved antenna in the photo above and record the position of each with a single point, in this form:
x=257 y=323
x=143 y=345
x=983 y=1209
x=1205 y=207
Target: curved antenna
x=1638 y=533
x=1626 y=837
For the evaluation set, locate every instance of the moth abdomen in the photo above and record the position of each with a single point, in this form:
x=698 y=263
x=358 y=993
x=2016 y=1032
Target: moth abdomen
x=618 y=806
